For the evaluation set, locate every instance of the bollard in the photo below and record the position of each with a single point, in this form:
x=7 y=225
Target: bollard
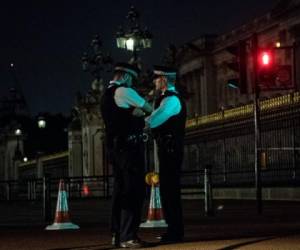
x=208 y=199
x=47 y=198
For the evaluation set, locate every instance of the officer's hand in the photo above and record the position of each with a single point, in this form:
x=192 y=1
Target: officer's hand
x=147 y=128
x=154 y=93
x=138 y=112
x=151 y=93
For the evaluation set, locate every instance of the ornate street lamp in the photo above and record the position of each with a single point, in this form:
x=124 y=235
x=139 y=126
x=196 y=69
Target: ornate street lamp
x=18 y=132
x=169 y=58
x=95 y=61
x=134 y=38
x=41 y=122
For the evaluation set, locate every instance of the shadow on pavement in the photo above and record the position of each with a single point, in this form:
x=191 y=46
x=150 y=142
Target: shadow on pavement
x=258 y=238
x=236 y=246
x=100 y=247
x=94 y=247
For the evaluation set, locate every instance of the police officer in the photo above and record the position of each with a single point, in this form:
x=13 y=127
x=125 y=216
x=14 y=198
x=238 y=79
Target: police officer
x=167 y=123
x=122 y=110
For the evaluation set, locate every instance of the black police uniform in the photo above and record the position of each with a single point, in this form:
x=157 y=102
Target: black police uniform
x=125 y=146
x=170 y=143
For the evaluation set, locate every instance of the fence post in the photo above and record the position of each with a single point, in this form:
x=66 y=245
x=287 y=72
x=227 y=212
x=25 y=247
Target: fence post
x=208 y=199
x=8 y=190
x=34 y=189
x=108 y=180
x=68 y=185
x=47 y=198
x=28 y=190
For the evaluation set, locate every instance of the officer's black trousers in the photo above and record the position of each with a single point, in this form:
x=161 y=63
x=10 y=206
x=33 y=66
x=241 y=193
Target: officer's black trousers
x=129 y=190
x=170 y=160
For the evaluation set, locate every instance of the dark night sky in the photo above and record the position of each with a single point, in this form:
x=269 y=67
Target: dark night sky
x=45 y=39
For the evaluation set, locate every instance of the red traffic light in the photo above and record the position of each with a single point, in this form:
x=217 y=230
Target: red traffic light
x=266 y=68
x=265 y=58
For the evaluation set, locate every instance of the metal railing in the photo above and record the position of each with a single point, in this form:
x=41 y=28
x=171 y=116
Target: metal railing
x=46 y=189
x=245 y=111
x=226 y=141
x=77 y=187
x=81 y=187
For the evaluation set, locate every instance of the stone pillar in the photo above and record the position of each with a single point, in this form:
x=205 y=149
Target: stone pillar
x=86 y=149
x=295 y=31
x=209 y=89
x=92 y=145
x=185 y=82
x=297 y=61
x=99 y=152
x=75 y=153
x=2 y=163
x=96 y=156
x=205 y=87
x=10 y=171
x=39 y=166
x=197 y=83
x=7 y=166
x=191 y=90
x=16 y=169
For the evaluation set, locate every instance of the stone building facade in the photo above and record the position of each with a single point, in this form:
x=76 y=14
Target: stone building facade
x=86 y=136
x=203 y=70
x=220 y=129
x=203 y=63
x=13 y=109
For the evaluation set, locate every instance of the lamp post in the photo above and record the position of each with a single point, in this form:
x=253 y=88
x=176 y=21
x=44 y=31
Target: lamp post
x=257 y=131
x=134 y=38
x=18 y=133
x=18 y=154
x=95 y=61
x=169 y=58
x=41 y=122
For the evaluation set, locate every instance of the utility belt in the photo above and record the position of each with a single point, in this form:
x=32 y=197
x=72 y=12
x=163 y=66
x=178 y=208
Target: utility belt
x=169 y=143
x=129 y=140
x=143 y=137
x=163 y=138
x=166 y=143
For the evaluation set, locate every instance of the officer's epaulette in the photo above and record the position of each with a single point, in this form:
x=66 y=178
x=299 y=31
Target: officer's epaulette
x=170 y=93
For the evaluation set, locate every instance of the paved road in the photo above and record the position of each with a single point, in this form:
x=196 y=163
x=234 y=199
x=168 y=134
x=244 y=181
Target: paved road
x=234 y=226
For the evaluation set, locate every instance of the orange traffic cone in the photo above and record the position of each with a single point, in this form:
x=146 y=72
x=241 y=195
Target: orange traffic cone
x=155 y=216
x=62 y=218
x=85 y=190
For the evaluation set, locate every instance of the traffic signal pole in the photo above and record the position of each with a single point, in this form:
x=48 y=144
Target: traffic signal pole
x=257 y=137
x=295 y=65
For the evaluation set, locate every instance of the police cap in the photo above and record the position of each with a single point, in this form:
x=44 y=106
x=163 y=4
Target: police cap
x=164 y=71
x=128 y=68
